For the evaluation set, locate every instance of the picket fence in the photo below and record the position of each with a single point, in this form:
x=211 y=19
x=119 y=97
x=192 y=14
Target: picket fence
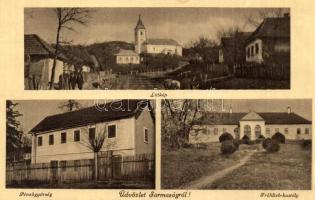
x=110 y=168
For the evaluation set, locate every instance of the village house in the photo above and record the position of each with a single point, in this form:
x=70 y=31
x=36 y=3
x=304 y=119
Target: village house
x=211 y=125
x=271 y=37
x=38 y=62
x=128 y=127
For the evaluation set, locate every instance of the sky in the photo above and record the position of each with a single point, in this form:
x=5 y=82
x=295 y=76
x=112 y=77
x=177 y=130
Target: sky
x=36 y=110
x=109 y=24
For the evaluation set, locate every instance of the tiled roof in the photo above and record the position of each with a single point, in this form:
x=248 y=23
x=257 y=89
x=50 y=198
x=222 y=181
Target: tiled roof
x=276 y=27
x=92 y=115
x=34 y=45
x=125 y=52
x=234 y=118
x=161 y=42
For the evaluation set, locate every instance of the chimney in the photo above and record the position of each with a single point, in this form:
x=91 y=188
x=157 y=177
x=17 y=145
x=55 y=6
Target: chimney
x=289 y=109
x=231 y=110
x=286 y=15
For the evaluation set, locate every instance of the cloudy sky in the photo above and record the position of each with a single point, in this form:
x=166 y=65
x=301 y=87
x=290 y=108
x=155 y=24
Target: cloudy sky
x=108 y=24
x=36 y=110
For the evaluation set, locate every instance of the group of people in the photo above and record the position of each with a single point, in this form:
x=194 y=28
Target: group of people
x=71 y=81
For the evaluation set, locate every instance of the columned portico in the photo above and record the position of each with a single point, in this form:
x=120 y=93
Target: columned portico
x=252 y=125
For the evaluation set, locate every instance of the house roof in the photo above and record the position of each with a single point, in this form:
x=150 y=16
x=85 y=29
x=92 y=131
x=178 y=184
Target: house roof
x=236 y=38
x=139 y=24
x=272 y=27
x=234 y=118
x=157 y=41
x=92 y=115
x=34 y=45
x=125 y=52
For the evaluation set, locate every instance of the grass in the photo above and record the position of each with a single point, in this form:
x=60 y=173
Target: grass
x=185 y=165
x=246 y=83
x=289 y=169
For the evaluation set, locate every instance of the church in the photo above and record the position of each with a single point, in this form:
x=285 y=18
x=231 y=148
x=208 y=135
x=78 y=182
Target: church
x=143 y=44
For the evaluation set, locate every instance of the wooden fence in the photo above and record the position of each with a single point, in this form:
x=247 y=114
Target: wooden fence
x=128 y=168
x=263 y=71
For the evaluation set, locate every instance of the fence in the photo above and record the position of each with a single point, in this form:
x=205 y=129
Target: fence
x=263 y=71
x=128 y=168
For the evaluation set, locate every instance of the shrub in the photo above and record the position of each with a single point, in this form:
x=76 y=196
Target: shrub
x=266 y=143
x=279 y=137
x=225 y=136
x=245 y=139
x=271 y=145
x=307 y=144
x=228 y=147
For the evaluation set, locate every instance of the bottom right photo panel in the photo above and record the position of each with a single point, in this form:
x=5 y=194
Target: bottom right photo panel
x=236 y=144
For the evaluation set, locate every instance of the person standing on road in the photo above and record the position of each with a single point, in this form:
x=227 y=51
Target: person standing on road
x=72 y=81
x=80 y=80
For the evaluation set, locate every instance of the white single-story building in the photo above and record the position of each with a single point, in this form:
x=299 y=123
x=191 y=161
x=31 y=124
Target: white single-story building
x=127 y=57
x=127 y=125
x=211 y=125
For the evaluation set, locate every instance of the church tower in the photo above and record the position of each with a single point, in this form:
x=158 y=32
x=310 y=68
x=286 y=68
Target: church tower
x=140 y=36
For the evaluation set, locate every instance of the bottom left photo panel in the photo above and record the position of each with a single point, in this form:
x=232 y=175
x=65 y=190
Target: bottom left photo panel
x=73 y=144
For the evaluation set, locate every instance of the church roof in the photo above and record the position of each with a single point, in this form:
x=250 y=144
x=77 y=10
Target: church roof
x=125 y=52
x=234 y=118
x=140 y=24
x=154 y=41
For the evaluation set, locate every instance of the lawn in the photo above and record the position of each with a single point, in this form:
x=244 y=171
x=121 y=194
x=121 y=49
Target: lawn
x=185 y=165
x=246 y=83
x=289 y=169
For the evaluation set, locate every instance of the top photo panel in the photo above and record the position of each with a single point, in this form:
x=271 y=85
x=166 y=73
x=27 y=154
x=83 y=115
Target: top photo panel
x=156 y=48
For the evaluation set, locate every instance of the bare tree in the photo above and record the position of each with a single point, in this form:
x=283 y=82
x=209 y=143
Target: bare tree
x=66 y=17
x=256 y=19
x=70 y=105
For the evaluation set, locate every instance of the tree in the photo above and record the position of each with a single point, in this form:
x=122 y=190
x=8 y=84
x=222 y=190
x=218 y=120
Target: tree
x=255 y=20
x=95 y=142
x=70 y=105
x=13 y=133
x=66 y=18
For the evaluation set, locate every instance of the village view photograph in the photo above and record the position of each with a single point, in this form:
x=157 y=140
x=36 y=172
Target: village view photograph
x=156 y=48
x=238 y=144
x=80 y=144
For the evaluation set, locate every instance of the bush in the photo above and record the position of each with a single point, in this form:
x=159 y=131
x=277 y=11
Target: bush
x=266 y=143
x=307 y=144
x=279 y=137
x=225 y=136
x=271 y=145
x=245 y=139
x=228 y=147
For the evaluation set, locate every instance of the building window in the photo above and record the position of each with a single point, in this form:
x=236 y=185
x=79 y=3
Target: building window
x=51 y=139
x=256 y=48
x=131 y=59
x=119 y=58
x=91 y=134
x=252 y=50
x=63 y=137
x=307 y=131
x=76 y=136
x=146 y=135
x=247 y=130
x=286 y=131
x=267 y=131
x=40 y=141
x=298 y=131
x=257 y=131
x=215 y=131
x=141 y=33
x=248 y=52
x=111 y=131
x=276 y=130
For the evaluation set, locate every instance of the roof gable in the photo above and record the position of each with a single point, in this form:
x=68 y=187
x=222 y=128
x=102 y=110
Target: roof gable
x=92 y=115
x=252 y=116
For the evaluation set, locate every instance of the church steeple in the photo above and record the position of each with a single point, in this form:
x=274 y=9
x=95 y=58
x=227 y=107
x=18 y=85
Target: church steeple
x=140 y=36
